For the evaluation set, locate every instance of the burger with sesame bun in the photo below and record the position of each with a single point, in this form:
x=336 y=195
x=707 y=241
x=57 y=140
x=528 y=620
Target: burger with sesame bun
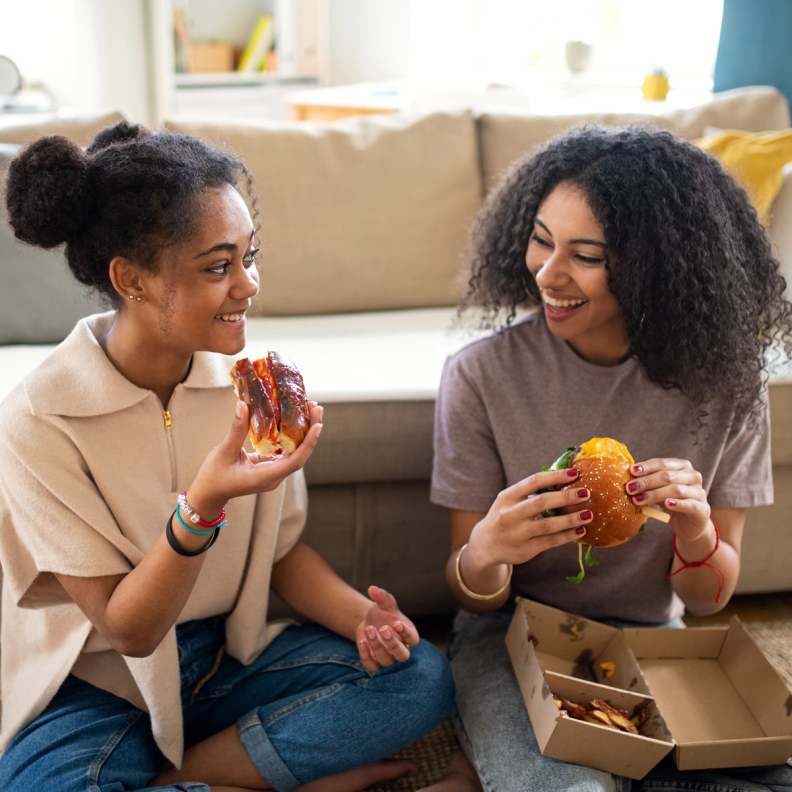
x=604 y=469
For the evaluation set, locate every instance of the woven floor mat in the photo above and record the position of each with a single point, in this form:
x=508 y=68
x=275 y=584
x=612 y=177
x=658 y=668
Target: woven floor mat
x=775 y=640
x=433 y=752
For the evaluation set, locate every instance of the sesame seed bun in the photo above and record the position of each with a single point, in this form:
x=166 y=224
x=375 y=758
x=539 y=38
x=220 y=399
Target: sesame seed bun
x=616 y=518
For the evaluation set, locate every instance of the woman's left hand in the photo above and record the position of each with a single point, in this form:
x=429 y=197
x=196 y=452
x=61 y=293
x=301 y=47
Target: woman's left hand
x=385 y=634
x=676 y=485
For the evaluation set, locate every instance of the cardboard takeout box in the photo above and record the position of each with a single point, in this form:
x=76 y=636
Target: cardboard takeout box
x=714 y=698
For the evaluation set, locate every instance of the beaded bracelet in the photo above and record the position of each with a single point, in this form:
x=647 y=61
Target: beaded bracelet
x=194 y=518
x=177 y=548
x=694 y=564
x=199 y=533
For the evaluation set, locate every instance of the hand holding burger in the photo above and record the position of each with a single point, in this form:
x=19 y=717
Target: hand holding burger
x=623 y=494
x=283 y=426
x=677 y=486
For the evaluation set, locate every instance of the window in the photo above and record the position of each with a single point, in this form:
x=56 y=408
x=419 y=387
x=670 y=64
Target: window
x=518 y=42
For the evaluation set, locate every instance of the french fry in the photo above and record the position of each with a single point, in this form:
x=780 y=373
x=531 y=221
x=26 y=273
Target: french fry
x=605 y=707
x=617 y=717
x=575 y=710
x=640 y=718
x=601 y=719
x=602 y=714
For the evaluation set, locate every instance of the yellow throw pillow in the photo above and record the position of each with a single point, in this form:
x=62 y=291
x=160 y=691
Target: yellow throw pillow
x=756 y=160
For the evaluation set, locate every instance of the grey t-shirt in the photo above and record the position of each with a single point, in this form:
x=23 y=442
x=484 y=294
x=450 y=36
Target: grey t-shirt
x=513 y=402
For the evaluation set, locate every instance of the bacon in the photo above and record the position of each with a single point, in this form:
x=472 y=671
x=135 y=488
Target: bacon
x=251 y=390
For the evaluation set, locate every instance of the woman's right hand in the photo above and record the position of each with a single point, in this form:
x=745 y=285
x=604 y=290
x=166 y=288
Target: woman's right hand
x=230 y=472
x=514 y=531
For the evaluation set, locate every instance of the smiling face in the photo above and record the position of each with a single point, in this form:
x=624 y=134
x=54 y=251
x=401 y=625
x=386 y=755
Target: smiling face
x=566 y=256
x=202 y=289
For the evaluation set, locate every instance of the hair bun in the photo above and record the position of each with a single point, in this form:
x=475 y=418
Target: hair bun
x=48 y=192
x=121 y=132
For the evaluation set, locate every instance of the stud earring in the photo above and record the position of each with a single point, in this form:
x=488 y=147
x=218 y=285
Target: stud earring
x=139 y=299
x=131 y=296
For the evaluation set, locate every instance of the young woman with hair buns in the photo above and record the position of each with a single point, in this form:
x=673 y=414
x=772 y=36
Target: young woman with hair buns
x=136 y=649
x=656 y=299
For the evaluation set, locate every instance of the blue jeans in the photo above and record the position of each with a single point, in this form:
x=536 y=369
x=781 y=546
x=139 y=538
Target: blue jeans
x=306 y=708
x=495 y=731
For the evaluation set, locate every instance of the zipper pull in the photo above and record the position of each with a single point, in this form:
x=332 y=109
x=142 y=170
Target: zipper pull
x=167 y=417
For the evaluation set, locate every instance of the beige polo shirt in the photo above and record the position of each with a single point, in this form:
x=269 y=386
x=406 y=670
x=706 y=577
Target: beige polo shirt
x=90 y=470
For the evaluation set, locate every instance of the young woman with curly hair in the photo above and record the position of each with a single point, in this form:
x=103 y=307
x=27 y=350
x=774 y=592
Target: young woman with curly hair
x=658 y=300
x=138 y=655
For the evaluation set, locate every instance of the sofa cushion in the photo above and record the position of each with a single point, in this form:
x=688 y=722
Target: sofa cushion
x=505 y=137
x=361 y=214
x=755 y=109
x=82 y=128
x=40 y=301
x=756 y=159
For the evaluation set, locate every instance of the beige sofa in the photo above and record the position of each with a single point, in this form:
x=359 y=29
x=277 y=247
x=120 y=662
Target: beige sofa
x=364 y=225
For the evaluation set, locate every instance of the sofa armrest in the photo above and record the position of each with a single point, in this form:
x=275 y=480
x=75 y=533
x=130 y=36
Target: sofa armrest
x=781 y=228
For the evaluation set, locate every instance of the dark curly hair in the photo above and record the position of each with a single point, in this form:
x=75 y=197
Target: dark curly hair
x=132 y=193
x=700 y=293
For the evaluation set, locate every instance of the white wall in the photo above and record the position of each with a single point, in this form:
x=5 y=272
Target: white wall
x=87 y=53
x=368 y=40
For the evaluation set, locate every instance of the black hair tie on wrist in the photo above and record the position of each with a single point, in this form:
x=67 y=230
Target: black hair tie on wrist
x=176 y=547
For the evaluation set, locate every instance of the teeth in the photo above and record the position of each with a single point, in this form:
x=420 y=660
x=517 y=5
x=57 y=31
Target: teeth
x=562 y=303
x=230 y=317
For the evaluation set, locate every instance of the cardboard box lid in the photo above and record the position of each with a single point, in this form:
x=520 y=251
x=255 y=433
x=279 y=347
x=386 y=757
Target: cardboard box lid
x=722 y=700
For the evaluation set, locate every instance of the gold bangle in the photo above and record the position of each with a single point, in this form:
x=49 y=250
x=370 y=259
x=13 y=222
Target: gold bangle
x=472 y=594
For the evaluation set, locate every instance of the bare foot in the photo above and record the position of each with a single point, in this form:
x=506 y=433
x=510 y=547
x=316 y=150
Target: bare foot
x=460 y=776
x=363 y=777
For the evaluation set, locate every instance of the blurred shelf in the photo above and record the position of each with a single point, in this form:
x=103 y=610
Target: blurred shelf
x=235 y=79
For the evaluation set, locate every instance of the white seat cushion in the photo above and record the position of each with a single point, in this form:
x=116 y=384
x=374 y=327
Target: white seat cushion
x=377 y=375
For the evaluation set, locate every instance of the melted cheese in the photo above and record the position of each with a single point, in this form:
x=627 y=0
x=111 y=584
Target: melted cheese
x=607 y=447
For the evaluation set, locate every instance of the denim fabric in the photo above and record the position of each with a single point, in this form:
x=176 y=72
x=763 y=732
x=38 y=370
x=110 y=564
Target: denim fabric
x=495 y=731
x=306 y=708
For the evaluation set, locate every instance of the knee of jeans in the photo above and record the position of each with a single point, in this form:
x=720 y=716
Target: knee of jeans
x=432 y=683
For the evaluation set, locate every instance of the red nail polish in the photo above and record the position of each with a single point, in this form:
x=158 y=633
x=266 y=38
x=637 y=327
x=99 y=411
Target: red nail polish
x=640 y=498
x=632 y=486
x=580 y=531
x=581 y=493
x=672 y=502
x=637 y=469
x=571 y=472
x=586 y=515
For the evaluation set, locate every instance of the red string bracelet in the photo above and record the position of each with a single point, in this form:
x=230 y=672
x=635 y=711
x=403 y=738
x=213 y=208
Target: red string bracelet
x=704 y=563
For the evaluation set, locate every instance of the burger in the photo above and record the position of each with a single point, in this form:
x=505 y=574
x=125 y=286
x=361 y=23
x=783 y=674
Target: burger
x=274 y=392
x=604 y=469
x=604 y=466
